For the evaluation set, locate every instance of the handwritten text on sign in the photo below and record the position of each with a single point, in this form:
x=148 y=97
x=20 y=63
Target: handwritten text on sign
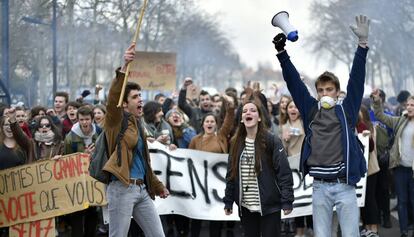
x=196 y=181
x=40 y=228
x=154 y=71
x=48 y=188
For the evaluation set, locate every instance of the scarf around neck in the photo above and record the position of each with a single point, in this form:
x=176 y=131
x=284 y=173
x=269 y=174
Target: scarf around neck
x=45 y=137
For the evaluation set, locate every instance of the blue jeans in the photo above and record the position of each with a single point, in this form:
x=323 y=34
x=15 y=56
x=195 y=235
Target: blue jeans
x=327 y=195
x=133 y=200
x=404 y=188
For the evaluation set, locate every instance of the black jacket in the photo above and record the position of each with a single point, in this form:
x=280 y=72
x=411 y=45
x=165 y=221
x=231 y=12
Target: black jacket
x=275 y=178
x=195 y=114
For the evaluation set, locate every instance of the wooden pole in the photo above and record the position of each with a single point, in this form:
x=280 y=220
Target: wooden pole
x=134 y=41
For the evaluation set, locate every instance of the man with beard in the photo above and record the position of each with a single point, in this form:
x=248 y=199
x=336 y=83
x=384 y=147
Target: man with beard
x=195 y=114
x=132 y=183
x=82 y=138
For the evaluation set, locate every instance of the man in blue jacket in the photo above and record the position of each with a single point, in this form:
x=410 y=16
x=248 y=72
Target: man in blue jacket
x=331 y=153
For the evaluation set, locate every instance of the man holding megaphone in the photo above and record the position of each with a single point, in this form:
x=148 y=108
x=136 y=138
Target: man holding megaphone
x=331 y=153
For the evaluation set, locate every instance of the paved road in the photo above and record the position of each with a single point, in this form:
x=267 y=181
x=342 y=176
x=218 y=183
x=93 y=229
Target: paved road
x=238 y=232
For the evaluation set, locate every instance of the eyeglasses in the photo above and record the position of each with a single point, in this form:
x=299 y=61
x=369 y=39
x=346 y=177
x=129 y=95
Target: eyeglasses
x=45 y=125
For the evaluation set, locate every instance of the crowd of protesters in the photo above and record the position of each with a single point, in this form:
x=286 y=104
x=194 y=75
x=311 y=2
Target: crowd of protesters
x=259 y=133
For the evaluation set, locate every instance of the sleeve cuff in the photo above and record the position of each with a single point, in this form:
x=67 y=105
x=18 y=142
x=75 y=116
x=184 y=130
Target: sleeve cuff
x=282 y=56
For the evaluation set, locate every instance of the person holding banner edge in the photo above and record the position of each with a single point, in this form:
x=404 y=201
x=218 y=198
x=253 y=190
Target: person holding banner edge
x=258 y=176
x=133 y=183
x=329 y=125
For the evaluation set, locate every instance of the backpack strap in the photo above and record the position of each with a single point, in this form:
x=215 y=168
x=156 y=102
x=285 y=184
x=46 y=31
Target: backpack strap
x=124 y=126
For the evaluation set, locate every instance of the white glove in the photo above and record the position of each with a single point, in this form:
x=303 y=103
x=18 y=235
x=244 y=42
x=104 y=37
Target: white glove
x=361 y=29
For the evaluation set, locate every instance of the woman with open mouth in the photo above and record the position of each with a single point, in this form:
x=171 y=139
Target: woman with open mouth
x=48 y=139
x=156 y=128
x=258 y=178
x=213 y=139
x=99 y=112
x=13 y=151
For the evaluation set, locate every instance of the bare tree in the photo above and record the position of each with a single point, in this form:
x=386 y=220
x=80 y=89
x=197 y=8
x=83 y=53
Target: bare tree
x=391 y=54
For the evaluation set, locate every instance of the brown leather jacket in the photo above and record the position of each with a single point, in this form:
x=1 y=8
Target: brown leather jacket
x=112 y=126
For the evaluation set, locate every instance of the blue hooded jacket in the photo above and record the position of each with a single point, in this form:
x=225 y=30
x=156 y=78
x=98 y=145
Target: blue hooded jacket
x=347 y=113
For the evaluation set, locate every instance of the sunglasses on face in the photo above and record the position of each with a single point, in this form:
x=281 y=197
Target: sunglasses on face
x=44 y=125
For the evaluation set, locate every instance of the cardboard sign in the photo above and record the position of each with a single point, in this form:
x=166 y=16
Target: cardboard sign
x=154 y=71
x=40 y=228
x=47 y=189
x=196 y=181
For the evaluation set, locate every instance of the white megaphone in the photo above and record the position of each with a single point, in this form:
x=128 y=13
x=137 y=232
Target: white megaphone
x=281 y=20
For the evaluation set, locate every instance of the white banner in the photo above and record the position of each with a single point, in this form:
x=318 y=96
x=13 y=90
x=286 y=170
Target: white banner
x=196 y=181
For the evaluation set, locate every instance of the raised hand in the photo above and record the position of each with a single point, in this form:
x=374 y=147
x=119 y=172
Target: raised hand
x=361 y=29
x=375 y=95
x=11 y=113
x=187 y=82
x=129 y=55
x=280 y=42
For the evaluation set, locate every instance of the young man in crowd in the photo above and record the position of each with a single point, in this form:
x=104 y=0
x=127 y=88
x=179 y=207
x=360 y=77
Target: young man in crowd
x=331 y=152
x=133 y=183
x=71 y=116
x=195 y=114
x=59 y=104
x=82 y=138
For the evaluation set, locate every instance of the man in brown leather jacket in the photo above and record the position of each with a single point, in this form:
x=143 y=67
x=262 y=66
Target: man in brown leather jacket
x=133 y=182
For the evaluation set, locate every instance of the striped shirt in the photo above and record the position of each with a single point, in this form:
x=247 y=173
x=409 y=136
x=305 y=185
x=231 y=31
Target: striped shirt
x=328 y=172
x=250 y=191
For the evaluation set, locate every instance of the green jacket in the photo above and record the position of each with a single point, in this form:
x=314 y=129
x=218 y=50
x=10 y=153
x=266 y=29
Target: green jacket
x=74 y=143
x=397 y=123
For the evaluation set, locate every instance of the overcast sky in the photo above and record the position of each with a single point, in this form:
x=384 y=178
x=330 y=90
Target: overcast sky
x=248 y=24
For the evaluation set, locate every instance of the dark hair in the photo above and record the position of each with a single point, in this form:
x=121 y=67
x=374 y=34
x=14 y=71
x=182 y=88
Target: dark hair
x=2 y=121
x=73 y=104
x=328 y=77
x=204 y=118
x=283 y=117
x=366 y=119
x=403 y=96
x=36 y=110
x=203 y=93
x=242 y=93
x=58 y=134
x=85 y=111
x=240 y=136
x=287 y=105
x=63 y=94
x=151 y=108
x=158 y=96
x=231 y=90
x=382 y=95
x=129 y=87
x=19 y=108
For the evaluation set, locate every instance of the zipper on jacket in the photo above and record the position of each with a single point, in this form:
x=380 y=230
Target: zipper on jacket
x=240 y=184
x=307 y=138
x=347 y=145
x=260 y=201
